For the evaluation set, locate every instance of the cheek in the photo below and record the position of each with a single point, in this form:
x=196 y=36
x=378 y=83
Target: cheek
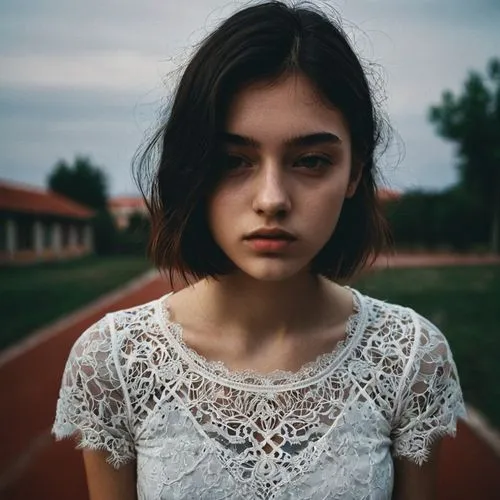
x=323 y=218
x=322 y=211
x=326 y=201
x=221 y=210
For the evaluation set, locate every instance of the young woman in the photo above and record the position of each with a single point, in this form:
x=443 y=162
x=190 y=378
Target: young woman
x=267 y=377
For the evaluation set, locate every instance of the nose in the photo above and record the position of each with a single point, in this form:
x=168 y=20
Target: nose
x=271 y=194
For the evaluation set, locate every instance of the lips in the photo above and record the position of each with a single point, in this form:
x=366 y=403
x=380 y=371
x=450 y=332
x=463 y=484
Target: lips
x=270 y=240
x=270 y=237
x=270 y=234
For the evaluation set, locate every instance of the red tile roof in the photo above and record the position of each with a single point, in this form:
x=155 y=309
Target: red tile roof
x=127 y=202
x=388 y=194
x=27 y=199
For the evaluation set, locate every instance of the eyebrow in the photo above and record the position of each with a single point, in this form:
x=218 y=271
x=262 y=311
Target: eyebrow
x=301 y=140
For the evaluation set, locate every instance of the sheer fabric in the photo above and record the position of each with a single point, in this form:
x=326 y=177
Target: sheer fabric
x=196 y=429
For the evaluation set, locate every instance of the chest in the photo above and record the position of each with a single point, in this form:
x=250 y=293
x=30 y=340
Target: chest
x=282 y=352
x=221 y=443
x=203 y=431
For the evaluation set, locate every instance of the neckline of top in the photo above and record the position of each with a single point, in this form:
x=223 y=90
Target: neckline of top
x=277 y=380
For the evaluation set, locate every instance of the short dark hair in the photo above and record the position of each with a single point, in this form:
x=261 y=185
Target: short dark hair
x=260 y=42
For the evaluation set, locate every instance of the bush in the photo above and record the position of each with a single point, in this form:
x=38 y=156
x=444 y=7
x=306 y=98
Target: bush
x=431 y=220
x=105 y=233
x=134 y=239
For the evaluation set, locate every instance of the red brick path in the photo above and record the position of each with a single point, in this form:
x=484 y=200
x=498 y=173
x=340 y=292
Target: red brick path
x=29 y=386
x=32 y=466
x=436 y=259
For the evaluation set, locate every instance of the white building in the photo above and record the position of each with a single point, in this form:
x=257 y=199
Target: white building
x=38 y=225
x=122 y=208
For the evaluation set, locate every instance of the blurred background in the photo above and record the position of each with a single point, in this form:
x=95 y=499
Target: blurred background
x=82 y=86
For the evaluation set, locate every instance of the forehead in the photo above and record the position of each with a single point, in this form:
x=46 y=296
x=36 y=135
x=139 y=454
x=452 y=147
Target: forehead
x=289 y=106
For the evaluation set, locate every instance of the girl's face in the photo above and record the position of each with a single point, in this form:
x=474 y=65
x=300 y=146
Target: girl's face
x=287 y=170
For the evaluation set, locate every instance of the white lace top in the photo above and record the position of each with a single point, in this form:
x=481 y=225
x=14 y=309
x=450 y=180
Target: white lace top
x=198 y=430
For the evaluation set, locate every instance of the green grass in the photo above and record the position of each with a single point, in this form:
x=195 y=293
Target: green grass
x=36 y=295
x=464 y=302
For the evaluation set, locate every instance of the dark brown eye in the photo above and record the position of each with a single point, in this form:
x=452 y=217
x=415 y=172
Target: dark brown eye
x=313 y=162
x=231 y=162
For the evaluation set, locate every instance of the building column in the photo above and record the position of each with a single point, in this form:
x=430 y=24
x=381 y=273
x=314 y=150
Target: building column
x=57 y=238
x=38 y=237
x=11 y=237
x=73 y=236
x=88 y=238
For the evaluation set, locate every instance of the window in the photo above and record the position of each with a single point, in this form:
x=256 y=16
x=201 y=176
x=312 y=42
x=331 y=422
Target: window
x=47 y=235
x=3 y=234
x=65 y=229
x=81 y=235
x=25 y=236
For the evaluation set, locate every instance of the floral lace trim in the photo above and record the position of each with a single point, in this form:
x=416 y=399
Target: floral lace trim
x=417 y=446
x=120 y=451
x=250 y=379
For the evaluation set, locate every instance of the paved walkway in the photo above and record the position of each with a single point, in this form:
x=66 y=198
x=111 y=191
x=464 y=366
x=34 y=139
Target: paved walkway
x=32 y=466
x=436 y=259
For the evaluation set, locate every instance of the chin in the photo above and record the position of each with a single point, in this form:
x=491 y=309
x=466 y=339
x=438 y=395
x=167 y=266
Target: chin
x=271 y=270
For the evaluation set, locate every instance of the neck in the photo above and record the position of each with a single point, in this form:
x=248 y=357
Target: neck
x=256 y=309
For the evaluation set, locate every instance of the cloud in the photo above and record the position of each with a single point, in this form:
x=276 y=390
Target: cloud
x=51 y=124
x=105 y=70
x=88 y=77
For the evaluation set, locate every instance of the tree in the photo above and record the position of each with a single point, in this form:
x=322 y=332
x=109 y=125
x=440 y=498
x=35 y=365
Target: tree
x=105 y=233
x=472 y=121
x=138 y=223
x=82 y=182
x=87 y=184
x=444 y=219
x=133 y=240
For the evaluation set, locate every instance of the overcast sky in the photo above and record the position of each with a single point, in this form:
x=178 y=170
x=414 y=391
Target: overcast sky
x=89 y=77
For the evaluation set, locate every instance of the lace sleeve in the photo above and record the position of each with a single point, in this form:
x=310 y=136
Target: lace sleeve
x=92 y=404
x=430 y=399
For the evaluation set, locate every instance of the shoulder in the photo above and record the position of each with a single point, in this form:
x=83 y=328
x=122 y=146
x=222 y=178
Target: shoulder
x=402 y=330
x=139 y=315
x=95 y=398
x=119 y=332
x=423 y=382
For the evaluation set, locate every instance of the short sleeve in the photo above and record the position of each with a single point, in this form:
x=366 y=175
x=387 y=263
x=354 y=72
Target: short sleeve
x=92 y=404
x=430 y=399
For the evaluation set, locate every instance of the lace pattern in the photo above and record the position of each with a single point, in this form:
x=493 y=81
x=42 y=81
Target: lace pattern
x=251 y=379
x=91 y=401
x=430 y=396
x=196 y=429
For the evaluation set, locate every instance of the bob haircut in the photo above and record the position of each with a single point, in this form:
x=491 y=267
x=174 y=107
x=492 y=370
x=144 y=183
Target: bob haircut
x=261 y=42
